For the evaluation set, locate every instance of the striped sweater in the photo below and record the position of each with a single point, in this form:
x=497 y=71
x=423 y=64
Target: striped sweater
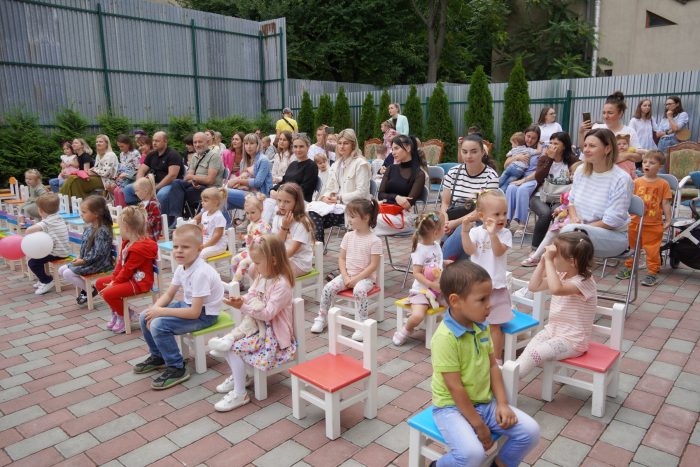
x=603 y=196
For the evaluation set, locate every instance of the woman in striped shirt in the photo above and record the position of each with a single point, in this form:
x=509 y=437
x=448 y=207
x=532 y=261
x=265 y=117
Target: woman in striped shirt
x=600 y=198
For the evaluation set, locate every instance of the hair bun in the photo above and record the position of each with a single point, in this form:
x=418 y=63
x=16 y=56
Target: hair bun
x=478 y=133
x=617 y=95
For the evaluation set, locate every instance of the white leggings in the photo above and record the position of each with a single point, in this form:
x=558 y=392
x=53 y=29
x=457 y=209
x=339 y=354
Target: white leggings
x=75 y=279
x=237 y=371
x=210 y=251
x=544 y=348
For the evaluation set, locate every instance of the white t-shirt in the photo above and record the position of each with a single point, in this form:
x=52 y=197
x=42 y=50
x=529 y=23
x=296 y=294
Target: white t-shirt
x=303 y=258
x=200 y=280
x=426 y=255
x=626 y=130
x=559 y=171
x=210 y=224
x=547 y=130
x=484 y=257
x=316 y=149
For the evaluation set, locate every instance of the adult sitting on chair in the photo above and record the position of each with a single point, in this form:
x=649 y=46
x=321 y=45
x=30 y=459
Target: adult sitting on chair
x=348 y=180
x=302 y=171
x=104 y=171
x=261 y=180
x=519 y=192
x=401 y=185
x=166 y=164
x=206 y=170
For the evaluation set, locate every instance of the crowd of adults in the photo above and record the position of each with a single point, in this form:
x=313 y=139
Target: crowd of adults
x=252 y=163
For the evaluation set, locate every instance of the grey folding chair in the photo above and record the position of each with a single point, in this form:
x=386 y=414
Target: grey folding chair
x=675 y=206
x=436 y=173
x=636 y=208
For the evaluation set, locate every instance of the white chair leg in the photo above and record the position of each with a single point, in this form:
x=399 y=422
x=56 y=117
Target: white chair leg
x=125 y=314
x=260 y=384
x=333 y=415
x=416 y=443
x=184 y=347
x=298 y=404
x=430 y=328
x=401 y=313
x=371 y=401
x=510 y=341
x=614 y=382
x=200 y=354
x=598 y=402
x=548 y=381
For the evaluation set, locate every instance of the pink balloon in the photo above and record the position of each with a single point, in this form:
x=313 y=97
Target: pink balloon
x=11 y=247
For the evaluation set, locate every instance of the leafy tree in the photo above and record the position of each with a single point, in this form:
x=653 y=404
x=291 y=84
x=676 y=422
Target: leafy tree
x=413 y=110
x=367 y=120
x=383 y=114
x=113 y=126
x=70 y=124
x=516 y=109
x=324 y=113
x=177 y=130
x=24 y=146
x=440 y=124
x=306 y=116
x=341 y=113
x=480 y=105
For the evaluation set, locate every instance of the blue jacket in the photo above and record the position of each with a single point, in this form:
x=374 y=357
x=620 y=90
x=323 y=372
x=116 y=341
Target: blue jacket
x=263 y=174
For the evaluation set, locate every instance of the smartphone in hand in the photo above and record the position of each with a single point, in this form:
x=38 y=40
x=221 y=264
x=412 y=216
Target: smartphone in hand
x=586 y=116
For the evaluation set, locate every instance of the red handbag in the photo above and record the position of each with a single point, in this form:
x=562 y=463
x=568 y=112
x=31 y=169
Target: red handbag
x=386 y=210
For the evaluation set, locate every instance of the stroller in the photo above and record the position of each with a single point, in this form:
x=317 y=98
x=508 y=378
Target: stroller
x=685 y=247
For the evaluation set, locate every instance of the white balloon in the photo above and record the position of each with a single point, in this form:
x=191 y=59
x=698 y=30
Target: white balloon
x=37 y=245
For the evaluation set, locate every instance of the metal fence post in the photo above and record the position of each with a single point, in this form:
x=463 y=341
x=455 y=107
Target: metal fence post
x=196 y=76
x=282 y=64
x=263 y=105
x=104 y=59
x=566 y=121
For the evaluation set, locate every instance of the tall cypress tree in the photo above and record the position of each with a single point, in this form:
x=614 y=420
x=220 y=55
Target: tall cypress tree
x=367 y=120
x=516 y=110
x=306 y=116
x=383 y=114
x=413 y=111
x=440 y=124
x=324 y=113
x=480 y=105
x=341 y=113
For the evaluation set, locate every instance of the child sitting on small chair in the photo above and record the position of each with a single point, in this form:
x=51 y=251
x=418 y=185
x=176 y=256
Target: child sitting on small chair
x=256 y=227
x=516 y=169
x=469 y=397
x=33 y=179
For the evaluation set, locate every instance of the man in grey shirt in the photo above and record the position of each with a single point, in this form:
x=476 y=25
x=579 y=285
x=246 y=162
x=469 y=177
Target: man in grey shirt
x=206 y=170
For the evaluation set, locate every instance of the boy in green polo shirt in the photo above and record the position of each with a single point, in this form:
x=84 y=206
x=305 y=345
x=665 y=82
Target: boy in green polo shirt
x=468 y=393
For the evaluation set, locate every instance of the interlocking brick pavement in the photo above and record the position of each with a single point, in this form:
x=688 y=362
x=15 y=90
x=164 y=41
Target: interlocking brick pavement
x=68 y=396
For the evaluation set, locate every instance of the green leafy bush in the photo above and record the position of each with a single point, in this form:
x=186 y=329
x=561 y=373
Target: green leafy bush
x=177 y=130
x=227 y=126
x=413 y=111
x=306 y=116
x=341 y=112
x=367 y=120
x=150 y=126
x=382 y=115
x=70 y=124
x=324 y=113
x=516 y=109
x=24 y=146
x=113 y=126
x=439 y=125
x=265 y=123
x=480 y=105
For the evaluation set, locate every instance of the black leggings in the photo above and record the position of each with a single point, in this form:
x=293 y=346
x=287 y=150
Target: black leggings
x=544 y=213
x=322 y=223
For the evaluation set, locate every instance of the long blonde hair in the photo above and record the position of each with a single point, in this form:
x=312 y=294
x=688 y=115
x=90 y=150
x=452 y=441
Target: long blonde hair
x=86 y=147
x=299 y=210
x=109 y=144
x=134 y=217
x=272 y=246
x=350 y=135
x=148 y=182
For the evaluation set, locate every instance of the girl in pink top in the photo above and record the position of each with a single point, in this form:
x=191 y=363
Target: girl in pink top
x=273 y=286
x=358 y=262
x=566 y=272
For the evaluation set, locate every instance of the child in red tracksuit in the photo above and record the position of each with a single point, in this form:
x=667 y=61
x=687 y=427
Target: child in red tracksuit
x=133 y=273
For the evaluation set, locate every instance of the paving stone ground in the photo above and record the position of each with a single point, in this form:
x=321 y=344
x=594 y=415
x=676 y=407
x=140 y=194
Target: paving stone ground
x=68 y=396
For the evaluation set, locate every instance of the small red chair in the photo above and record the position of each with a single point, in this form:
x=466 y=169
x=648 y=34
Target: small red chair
x=346 y=301
x=333 y=372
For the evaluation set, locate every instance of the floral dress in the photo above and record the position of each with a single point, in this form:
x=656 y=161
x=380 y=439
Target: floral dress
x=263 y=352
x=128 y=162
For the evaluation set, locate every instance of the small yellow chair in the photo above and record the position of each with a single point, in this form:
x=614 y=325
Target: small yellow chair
x=430 y=323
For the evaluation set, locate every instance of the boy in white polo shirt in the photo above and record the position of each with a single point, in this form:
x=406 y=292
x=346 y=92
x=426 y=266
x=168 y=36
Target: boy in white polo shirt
x=203 y=293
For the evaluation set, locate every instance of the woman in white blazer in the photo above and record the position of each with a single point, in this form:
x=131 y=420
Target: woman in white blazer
x=348 y=180
x=400 y=121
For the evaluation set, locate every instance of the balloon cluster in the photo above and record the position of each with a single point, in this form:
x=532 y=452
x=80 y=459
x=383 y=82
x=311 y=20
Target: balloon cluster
x=36 y=245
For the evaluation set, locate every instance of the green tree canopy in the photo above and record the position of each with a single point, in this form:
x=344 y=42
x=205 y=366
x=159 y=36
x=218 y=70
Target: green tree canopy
x=413 y=111
x=306 y=116
x=367 y=120
x=341 y=112
x=382 y=114
x=480 y=105
x=439 y=125
x=324 y=113
x=516 y=109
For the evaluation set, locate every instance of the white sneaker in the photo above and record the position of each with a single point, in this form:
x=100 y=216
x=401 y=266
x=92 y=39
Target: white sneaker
x=227 y=385
x=37 y=285
x=43 y=288
x=319 y=324
x=525 y=293
x=357 y=336
x=231 y=401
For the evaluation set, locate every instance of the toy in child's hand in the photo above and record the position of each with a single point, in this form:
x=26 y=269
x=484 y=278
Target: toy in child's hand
x=561 y=213
x=219 y=346
x=432 y=273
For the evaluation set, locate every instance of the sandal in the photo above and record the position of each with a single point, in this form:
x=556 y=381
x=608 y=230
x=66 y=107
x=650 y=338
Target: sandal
x=332 y=275
x=530 y=262
x=520 y=232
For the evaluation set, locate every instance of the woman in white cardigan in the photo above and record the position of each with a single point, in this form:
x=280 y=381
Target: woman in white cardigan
x=348 y=180
x=400 y=121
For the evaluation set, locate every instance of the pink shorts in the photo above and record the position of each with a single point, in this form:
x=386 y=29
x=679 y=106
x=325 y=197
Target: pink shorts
x=417 y=298
x=501 y=311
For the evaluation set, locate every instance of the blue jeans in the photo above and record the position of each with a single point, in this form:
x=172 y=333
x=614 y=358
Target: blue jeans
x=465 y=448
x=518 y=197
x=512 y=173
x=452 y=247
x=56 y=184
x=181 y=192
x=161 y=337
x=235 y=200
x=163 y=196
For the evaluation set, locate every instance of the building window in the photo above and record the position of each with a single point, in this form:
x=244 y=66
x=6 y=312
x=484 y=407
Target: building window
x=608 y=72
x=655 y=21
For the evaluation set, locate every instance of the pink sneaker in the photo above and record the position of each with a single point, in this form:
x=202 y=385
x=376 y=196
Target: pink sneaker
x=113 y=321
x=120 y=325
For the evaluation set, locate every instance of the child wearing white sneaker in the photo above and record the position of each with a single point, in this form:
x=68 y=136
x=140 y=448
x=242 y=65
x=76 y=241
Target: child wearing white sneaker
x=133 y=272
x=52 y=224
x=427 y=253
x=358 y=262
x=274 y=287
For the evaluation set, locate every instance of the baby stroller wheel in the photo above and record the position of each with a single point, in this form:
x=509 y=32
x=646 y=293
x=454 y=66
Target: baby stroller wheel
x=675 y=263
